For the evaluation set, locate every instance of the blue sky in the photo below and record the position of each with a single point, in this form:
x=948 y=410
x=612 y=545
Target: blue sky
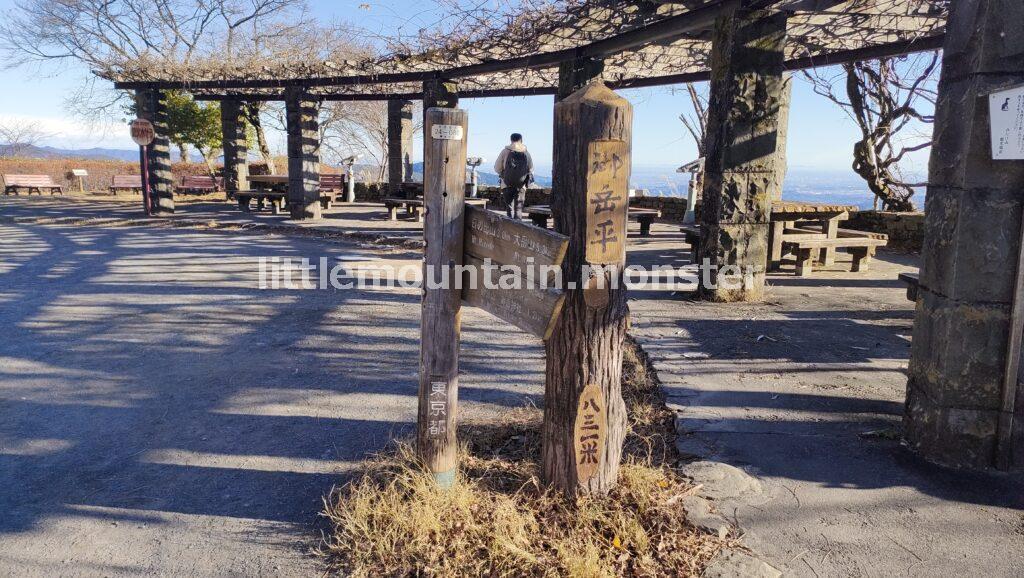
x=820 y=134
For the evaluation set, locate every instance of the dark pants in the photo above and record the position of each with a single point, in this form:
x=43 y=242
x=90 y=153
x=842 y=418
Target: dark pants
x=513 y=198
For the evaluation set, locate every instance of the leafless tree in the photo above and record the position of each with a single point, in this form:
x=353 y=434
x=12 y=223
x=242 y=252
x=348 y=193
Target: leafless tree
x=253 y=112
x=695 y=120
x=357 y=128
x=889 y=100
x=20 y=136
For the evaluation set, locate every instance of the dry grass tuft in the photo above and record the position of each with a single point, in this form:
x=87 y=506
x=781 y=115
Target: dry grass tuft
x=499 y=521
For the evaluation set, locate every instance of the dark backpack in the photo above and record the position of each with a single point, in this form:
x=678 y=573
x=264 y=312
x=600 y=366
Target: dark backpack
x=517 y=169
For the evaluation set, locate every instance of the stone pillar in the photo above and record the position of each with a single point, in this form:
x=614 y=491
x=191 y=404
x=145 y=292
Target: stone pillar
x=302 y=113
x=236 y=147
x=152 y=106
x=575 y=74
x=440 y=93
x=955 y=390
x=399 y=144
x=782 y=135
x=740 y=178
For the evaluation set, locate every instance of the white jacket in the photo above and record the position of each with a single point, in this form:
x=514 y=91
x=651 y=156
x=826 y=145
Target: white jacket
x=499 y=164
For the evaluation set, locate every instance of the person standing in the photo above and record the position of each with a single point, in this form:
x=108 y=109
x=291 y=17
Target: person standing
x=515 y=167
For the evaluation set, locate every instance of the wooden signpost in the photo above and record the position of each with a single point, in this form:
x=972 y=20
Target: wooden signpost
x=444 y=178
x=538 y=281
x=457 y=234
x=584 y=414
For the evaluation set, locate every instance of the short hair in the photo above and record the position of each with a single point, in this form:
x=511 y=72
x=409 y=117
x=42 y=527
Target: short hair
x=516 y=137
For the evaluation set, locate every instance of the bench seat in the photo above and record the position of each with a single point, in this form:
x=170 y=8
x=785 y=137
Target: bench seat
x=913 y=281
x=861 y=246
x=415 y=206
x=30 y=183
x=130 y=183
x=277 y=199
x=540 y=214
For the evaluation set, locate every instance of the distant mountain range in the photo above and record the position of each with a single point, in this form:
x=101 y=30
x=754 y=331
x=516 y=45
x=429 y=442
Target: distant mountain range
x=485 y=178
x=96 y=154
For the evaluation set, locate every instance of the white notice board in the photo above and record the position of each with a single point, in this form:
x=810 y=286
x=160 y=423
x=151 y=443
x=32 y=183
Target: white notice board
x=1006 y=111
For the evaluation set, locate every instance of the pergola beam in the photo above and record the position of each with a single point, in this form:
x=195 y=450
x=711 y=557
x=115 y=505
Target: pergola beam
x=902 y=47
x=677 y=26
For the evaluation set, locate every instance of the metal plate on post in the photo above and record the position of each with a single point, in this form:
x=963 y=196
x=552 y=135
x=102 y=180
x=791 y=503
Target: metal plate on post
x=447 y=132
x=1006 y=114
x=607 y=201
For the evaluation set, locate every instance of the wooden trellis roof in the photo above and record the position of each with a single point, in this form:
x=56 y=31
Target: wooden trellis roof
x=642 y=43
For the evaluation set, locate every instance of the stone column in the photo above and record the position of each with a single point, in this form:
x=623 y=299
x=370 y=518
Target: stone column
x=956 y=410
x=399 y=144
x=236 y=147
x=740 y=180
x=152 y=106
x=302 y=113
x=575 y=74
x=440 y=93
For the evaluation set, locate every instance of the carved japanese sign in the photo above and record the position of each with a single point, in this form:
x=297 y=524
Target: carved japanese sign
x=530 y=303
x=590 y=431
x=607 y=201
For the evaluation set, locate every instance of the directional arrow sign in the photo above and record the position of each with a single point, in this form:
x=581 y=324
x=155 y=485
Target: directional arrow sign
x=521 y=297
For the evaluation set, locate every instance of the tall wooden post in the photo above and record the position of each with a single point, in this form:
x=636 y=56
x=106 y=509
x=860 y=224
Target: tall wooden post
x=303 y=117
x=741 y=177
x=444 y=189
x=965 y=403
x=236 y=147
x=152 y=106
x=584 y=415
x=399 y=144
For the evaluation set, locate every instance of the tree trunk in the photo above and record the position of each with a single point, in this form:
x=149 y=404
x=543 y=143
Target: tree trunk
x=182 y=152
x=584 y=415
x=252 y=114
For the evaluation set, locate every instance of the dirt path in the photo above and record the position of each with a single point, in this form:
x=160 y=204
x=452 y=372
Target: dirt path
x=159 y=414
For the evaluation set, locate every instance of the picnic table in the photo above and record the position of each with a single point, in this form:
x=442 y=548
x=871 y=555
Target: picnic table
x=274 y=189
x=415 y=206
x=540 y=214
x=823 y=218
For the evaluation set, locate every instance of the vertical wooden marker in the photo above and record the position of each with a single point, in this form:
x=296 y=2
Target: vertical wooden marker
x=584 y=415
x=444 y=177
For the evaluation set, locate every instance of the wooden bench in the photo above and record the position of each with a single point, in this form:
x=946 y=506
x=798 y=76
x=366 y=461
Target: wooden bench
x=913 y=281
x=334 y=183
x=198 y=184
x=130 y=183
x=808 y=244
x=36 y=183
x=277 y=199
x=540 y=214
x=691 y=234
x=415 y=206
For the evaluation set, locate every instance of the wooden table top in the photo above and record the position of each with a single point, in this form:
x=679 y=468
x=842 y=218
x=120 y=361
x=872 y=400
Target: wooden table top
x=268 y=178
x=546 y=210
x=784 y=206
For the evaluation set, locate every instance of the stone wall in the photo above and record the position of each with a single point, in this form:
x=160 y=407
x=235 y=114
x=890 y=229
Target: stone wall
x=905 y=230
x=672 y=208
